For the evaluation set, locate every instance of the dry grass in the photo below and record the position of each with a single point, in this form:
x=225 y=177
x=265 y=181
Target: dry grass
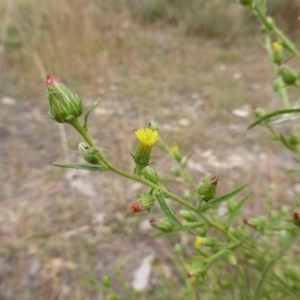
x=52 y=235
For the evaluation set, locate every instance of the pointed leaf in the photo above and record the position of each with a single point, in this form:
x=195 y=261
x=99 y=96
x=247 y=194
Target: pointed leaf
x=237 y=208
x=90 y=110
x=79 y=167
x=166 y=210
x=295 y=171
x=273 y=114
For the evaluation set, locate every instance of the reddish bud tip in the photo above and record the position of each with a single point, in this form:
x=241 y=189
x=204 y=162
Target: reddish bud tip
x=296 y=215
x=214 y=181
x=136 y=207
x=153 y=222
x=245 y=221
x=189 y=274
x=51 y=80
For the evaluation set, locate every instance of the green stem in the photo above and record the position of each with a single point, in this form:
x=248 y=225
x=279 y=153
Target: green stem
x=280 y=35
x=135 y=177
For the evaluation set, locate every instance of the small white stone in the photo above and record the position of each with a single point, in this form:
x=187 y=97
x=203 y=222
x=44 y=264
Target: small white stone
x=8 y=101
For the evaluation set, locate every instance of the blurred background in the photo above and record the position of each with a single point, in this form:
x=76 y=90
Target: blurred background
x=196 y=67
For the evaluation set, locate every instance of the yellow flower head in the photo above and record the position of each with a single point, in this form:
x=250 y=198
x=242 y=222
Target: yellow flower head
x=147 y=137
x=276 y=46
x=174 y=149
x=198 y=242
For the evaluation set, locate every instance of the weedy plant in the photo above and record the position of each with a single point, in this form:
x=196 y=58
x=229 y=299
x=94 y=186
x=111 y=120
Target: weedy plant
x=235 y=258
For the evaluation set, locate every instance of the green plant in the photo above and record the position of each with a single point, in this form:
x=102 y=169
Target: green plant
x=233 y=255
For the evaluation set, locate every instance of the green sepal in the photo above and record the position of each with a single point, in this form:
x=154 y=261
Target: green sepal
x=79 y=167
x=90 y=110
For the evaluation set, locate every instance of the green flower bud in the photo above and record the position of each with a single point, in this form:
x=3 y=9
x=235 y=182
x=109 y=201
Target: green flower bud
x=208 y=188
x=196 y=267
x=201 y=231
x=188 y=215
x=106 y=281
x=176 y=153
x=150 y=174
x=232 y=258
x=144 y=202
x=289 y=75
x=257 y=223
x=153 y=126
x=231 y=204
x=259 y=112
x=205 y=241
x=175 y=172
x=277 y=52
x=90 y=154
x=277 y=86
x=187 y=195
x=65 y=106
x=294 y=140
x=163 y=224
x=178 y=249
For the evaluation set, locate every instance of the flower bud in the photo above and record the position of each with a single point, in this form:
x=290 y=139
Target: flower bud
x=231 y=258
x=296 y=218
x=201 y=230
x=90 y=154
x=277 y=86
x=175 y=172
x=153 y=126
x=277 y=52
x=150 y=174
x=147 y=138
x=187 y=195
x=257 y=223
x=144 y=202
x=176 y=154
x=163 y=224
x=188 y=215
x=195 y=268
x=65 y=106
x=289 y=75
x=259 y=112
x=294 y=140
x=106 y=281
x=205 y=241
x=208 y=188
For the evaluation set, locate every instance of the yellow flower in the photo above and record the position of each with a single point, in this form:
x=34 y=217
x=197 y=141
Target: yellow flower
x=174 y=149
x=198 y=242
x=276 y=46
x=147 y=137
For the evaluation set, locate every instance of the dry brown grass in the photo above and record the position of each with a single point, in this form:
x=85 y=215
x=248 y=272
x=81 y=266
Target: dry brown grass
x=51 y=238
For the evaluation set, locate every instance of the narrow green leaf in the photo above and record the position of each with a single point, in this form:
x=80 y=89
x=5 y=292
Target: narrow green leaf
x=79 y=167
x=295 y=171
x=216 y=201
x=273 y=114
x=90 y=110
x=166 y=210
x=237 y=209
x=289 y=241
